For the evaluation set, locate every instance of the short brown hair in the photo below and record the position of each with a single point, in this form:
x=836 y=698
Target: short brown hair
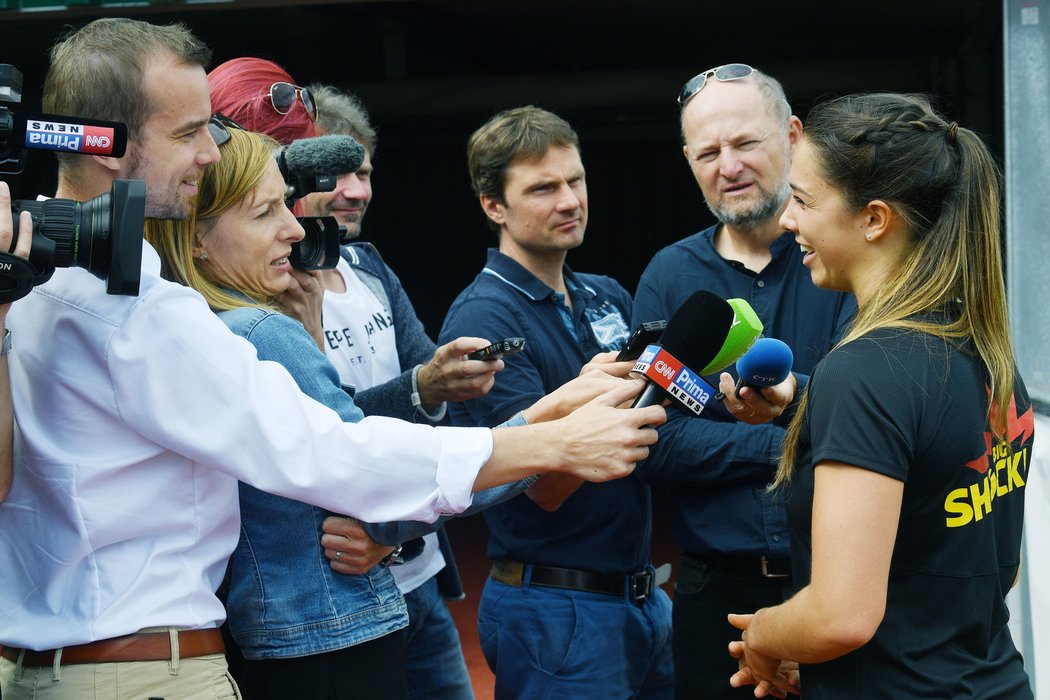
x=514 y=134
x=96 y=71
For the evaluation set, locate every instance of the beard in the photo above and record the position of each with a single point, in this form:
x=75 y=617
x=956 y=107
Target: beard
x=161 y=203
x=755 y=214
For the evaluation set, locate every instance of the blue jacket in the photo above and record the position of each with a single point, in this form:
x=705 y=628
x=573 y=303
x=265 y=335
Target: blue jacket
x=285 y=600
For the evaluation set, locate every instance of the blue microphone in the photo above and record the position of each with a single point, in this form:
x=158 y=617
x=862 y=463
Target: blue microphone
x=766 y=363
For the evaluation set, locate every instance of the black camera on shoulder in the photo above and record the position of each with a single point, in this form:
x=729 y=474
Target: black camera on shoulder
x=102 y=235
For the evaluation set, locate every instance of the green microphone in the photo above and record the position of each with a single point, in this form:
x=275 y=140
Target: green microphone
x=742 y=334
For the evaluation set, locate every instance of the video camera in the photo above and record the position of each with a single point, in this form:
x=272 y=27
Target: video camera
x=102 y=235
x=313 y=165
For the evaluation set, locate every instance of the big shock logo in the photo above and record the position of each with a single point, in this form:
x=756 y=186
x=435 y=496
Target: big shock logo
x=1004 y=471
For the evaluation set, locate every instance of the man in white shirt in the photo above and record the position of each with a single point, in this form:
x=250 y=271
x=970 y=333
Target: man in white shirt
x=137 y=415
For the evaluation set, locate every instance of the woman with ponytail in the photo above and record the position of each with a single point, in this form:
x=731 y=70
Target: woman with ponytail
x=906 y=461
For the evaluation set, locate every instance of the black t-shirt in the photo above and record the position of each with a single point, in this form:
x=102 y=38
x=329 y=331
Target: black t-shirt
x=915 y=408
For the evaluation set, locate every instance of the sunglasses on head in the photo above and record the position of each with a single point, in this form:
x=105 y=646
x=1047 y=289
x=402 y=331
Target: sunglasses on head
x=282 y=98
x=730 y=71
x=219 y=126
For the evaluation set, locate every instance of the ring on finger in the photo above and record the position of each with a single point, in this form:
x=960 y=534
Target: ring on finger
x=338 y=555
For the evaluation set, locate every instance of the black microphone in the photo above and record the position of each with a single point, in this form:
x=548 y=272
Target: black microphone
x=56 y=132
x=694 y=337
x=313 y=164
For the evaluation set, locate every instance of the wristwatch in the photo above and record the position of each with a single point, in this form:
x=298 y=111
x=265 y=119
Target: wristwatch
x=394 y=558
x=6 y=346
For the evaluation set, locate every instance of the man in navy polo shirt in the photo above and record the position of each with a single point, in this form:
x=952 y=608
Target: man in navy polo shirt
x=570 y=609
x=739 y=135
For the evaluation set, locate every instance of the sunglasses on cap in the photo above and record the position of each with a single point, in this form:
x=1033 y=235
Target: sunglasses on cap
x=282 y=98
x=730 y=71
x=219 y=126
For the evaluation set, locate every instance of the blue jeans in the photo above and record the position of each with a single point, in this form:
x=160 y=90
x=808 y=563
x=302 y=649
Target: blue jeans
x=547 y=643
x=434 y=660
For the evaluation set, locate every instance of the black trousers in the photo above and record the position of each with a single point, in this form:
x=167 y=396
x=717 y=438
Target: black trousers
x=365 y=671
x=704 y=596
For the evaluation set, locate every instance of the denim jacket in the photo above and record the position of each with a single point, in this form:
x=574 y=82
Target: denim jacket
x=285 y=600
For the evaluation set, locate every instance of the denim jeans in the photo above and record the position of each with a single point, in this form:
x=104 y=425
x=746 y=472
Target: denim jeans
x=548 y=643
x=434 y=660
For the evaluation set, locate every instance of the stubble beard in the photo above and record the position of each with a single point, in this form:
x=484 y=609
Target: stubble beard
x=767 y=207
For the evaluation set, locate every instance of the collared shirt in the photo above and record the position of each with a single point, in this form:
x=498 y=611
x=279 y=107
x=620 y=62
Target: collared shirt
x=720 y=467
x=136 y=418
x=600 y=527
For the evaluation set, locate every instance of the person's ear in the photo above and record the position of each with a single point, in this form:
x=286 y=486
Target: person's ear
x=877 y=219
x=794 y=131
x=113 y=165
x=494 y=209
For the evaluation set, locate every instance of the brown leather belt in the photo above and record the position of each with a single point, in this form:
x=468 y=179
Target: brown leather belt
x=148 y=646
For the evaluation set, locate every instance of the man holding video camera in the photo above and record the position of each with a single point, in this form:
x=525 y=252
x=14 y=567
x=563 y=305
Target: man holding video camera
x=138 y=415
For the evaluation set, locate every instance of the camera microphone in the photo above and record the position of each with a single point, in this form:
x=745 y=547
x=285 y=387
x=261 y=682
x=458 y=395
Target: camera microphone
x=313 y=164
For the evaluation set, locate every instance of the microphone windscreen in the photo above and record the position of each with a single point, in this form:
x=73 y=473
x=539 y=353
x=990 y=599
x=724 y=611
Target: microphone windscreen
x=744 y=330
x=697 y=331
x=332 y=154
x=768 y=362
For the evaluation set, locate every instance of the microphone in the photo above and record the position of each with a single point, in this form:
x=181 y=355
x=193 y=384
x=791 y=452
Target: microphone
x=745 y=329
x=704 y=329
x=56 y=132
x=313 y=164
x=768 y=362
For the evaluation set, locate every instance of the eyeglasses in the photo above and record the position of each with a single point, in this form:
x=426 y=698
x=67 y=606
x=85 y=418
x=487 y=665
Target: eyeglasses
x=219 y=126
x=282 y=97
x=730 y=71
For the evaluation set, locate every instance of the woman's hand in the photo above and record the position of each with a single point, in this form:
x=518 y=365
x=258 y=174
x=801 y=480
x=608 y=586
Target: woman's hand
x=770 y=676
x=348 y=547
x=302 y=301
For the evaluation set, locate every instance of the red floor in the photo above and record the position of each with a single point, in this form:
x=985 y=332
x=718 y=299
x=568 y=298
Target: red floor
x=469 y=537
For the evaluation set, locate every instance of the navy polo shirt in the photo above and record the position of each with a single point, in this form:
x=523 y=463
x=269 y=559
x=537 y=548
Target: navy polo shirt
x=719 y=466
x=601 y=527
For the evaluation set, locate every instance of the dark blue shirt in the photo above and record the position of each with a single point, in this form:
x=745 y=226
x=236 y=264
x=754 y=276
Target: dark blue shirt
x=720 y=466
x=600 y=527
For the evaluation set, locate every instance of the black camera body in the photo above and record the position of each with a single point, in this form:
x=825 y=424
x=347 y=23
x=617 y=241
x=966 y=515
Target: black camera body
x=102 y=235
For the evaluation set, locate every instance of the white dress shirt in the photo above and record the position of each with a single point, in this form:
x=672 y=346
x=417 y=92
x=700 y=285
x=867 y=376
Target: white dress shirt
x=136 y=417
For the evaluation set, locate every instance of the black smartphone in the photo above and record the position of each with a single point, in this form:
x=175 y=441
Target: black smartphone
x=500 y=347
x=645 y=334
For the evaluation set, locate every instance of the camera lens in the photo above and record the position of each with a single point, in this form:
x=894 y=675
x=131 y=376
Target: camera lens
x=102 y=235
x=319 y=249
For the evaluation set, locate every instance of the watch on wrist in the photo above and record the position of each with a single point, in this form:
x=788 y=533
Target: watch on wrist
x=394 y=558
x=5 y=346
